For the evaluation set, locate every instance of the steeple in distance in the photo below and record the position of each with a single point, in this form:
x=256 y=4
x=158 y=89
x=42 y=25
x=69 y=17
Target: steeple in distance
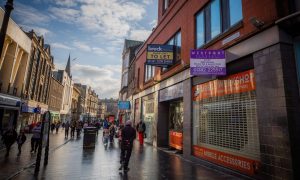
x=68 y=67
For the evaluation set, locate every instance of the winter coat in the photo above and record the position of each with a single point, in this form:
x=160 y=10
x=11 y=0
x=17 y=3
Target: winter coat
x=9 y=137
x=143 y=127
x=128 y=134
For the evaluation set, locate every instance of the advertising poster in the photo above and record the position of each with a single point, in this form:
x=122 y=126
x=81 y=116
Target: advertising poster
x=207 y=62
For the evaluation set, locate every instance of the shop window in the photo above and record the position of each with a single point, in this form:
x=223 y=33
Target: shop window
x=149 y=72
x=216 y=18
x=176 y=41
x=225 y=117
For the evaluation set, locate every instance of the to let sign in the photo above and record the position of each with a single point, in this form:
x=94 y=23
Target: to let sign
x=208 y=62
x=160 y=55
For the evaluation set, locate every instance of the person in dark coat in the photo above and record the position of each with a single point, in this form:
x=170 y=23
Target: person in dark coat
x=9 y=138
x=20 y=141
x=128 y=135
x=141 y=128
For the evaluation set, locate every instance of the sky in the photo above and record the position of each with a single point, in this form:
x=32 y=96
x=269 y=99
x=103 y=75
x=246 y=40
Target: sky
x=91 y=31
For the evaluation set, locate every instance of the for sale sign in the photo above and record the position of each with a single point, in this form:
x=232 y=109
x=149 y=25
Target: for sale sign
x=208 y=62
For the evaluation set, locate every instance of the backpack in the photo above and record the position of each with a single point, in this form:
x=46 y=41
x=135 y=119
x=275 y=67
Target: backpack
x=140 y=129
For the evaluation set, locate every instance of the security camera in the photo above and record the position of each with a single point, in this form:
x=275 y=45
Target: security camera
x=256 y=22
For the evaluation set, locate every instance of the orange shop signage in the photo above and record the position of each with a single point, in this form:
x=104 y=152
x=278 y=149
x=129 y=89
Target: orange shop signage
x=234 y=84
x=241 y=164
x=175 y=139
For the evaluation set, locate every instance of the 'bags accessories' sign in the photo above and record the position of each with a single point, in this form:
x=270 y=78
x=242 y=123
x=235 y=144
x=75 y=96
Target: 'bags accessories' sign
x=160 y=55
x=208 y=62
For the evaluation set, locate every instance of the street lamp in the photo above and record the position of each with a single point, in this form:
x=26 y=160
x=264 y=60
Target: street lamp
x=9 y=6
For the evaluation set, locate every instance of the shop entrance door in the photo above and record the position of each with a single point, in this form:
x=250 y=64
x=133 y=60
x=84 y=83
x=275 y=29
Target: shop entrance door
x=176 y=124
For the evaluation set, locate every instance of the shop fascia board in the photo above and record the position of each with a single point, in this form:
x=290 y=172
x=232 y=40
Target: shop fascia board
x=269 y=37
x=165 y=83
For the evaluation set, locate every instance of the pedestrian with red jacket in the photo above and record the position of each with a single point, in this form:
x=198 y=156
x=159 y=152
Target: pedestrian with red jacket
x=141 y=128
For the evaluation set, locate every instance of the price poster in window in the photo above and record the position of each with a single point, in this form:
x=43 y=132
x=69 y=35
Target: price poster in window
x=208 y=62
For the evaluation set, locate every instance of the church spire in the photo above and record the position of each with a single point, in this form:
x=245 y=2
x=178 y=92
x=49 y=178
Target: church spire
x=68 y=67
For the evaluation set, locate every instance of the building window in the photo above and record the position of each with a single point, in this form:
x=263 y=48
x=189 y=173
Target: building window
x=149 y=72
x=166 y=4
x=176 y=41
x=216 y=18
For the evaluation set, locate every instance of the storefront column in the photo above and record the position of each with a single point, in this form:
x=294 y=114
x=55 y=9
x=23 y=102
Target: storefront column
x=187 y=118
x=277 y=110
x=162 y=124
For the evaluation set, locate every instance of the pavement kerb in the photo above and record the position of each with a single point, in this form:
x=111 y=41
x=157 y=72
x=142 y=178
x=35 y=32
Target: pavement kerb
x=33 y=162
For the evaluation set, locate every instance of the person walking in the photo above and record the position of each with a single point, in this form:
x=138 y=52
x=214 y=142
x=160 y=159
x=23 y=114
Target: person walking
x=112 y=131
x=52 y=127
x=57 y=127
x=9 y=138
x=20 y=141
x=36 y=137
x=141 y=128
x=67 y=126
x=128 y=135
x=73 y=127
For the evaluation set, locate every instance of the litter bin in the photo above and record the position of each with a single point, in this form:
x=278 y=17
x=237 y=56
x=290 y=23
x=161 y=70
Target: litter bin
x=89 y=138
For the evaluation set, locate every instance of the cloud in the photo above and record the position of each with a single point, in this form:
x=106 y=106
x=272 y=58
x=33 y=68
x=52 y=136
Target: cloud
x=153 y=23
x=29 y=15
x=82 y=46
x=61 y=46
x=139 y=34
x=38 y=30
x=110 y=18
x=67 y=3
x=104 y=80
x=148 y=2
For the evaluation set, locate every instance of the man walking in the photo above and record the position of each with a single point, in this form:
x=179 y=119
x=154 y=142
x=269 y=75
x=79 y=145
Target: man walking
x=9 y=138
x=21 y=140
x=128 y=135
x=141 y=128
x=36 y=137
x=67 y=126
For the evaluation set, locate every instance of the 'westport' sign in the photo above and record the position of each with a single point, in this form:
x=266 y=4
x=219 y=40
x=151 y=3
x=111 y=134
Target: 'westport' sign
x=160 y=55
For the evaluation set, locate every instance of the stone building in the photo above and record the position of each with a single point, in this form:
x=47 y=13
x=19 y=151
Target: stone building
x=36 y=96
x=13 y=71
x=65 y=78
x=55 y=99
x=76 y=100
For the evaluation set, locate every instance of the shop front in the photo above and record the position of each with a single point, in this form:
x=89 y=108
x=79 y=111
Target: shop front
x=148 y=117
x=171 y=104
x=9 y=114
x=225 y=127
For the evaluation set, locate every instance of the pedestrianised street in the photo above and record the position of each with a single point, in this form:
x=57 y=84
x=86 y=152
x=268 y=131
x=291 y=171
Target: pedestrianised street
x=72 y=161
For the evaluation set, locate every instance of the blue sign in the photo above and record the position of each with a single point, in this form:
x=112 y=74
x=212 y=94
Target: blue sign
x=123 y=105
x=160 y=55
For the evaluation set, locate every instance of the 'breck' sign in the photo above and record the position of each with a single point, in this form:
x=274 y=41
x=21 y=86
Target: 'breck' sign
x=160 y=55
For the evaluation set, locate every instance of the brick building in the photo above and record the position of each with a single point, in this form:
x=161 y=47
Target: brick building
x=253 y=132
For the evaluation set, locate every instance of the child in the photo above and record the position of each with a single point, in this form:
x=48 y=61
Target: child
x=105 y=136
x=20 y=141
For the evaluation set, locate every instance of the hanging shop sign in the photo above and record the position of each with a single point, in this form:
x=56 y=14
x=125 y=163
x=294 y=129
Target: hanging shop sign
x=245 y=165
x=172 y=92
x=234 y=84
x=124 y=105
x=207 y=62
x=160 y=55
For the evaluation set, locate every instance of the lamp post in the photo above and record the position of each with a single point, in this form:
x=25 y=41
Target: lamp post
x=9 y=6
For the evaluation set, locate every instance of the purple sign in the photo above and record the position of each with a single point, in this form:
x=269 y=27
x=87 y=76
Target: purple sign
x=208 y=62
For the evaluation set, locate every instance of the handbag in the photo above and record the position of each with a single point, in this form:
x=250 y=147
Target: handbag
x=145 y=135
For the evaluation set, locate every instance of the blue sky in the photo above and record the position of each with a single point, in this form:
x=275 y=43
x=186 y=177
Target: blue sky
x=92 y=31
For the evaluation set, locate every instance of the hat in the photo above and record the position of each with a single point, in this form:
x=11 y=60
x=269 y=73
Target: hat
x=128 y=123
